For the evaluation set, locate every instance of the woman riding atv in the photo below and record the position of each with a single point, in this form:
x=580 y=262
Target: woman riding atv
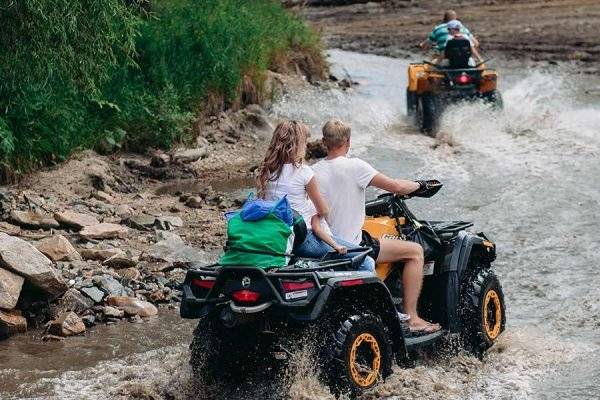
x=282 y=173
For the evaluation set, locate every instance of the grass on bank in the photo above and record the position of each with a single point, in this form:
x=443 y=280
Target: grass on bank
x=77 y=73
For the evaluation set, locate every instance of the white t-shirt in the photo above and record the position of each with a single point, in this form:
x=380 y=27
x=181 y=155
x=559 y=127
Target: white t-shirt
x=292 y=182
x=343 y=182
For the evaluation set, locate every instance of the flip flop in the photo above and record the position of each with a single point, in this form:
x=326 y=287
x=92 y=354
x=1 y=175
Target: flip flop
x=426 y=330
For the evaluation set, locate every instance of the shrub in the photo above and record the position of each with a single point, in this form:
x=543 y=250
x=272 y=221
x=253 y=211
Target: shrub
x=75 y=72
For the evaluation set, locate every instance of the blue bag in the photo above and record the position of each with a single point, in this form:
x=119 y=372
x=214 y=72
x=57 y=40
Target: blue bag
x=256 y=209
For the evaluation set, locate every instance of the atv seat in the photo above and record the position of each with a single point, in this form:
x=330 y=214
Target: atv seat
x=458 y=52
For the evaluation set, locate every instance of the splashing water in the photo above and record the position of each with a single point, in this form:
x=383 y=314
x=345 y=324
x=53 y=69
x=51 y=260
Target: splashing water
x=527 y=176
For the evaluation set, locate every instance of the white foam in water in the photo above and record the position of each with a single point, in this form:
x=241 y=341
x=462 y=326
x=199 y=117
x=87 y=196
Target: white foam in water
x=528 y=176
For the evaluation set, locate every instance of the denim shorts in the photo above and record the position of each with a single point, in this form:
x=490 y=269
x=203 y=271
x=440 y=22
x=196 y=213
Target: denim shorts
x=313 y=247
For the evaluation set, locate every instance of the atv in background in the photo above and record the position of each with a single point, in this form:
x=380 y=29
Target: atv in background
x=433 y=86
x=252 y=317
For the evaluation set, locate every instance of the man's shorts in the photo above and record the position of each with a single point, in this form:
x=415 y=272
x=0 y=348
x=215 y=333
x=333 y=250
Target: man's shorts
x=368 y=241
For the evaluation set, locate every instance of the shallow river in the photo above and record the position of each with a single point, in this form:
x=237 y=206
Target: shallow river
x=528 y=177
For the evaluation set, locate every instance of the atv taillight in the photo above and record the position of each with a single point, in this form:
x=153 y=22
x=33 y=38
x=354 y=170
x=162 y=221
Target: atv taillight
x=245 y=296
x=463 y=79
x=352 y=282
x=203 y=283
x=292 y=286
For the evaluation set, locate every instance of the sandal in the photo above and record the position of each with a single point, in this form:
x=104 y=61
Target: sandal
x=426 y=330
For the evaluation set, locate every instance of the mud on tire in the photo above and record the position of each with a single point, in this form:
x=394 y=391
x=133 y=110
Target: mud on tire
x=218 y=354
x=429 y=113
x=482 y=311
x=357 y=354
x=494 y=98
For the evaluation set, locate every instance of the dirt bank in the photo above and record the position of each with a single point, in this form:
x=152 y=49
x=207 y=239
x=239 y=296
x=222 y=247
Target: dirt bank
x=538 y=31
x=125 y=225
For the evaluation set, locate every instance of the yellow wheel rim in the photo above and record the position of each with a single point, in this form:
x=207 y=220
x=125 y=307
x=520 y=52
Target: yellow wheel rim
x=492 y=314
x=365 y=375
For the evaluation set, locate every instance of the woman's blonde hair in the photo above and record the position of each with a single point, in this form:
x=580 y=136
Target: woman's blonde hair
x=288 y=145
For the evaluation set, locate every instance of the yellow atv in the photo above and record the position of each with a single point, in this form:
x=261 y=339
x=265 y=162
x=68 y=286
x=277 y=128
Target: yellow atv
x=432 y=86
x=253 y=318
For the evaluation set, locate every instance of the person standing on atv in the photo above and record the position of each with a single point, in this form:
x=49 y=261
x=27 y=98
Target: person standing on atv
x=439 y=36
x=343 y=182
x=282 y=173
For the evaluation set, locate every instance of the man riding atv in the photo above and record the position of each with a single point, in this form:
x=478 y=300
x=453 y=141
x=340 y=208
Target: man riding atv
x=343 y=182
x=439 y=35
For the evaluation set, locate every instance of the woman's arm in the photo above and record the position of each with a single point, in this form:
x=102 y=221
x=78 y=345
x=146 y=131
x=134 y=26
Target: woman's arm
x=315 y=224
x=312 y=189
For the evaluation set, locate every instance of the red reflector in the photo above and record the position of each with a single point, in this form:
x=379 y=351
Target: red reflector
x=203 y=283
x=352 y=282
x=246 y=296
x=463 y=79
x=291 y=286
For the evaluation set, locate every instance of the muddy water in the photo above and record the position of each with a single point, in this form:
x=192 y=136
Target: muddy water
x=528 y=177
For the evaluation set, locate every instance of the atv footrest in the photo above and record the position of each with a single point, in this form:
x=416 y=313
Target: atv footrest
x=413 y=343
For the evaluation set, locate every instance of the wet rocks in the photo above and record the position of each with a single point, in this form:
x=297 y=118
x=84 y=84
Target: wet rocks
x=109 y=285
x=11 y=322
x=67 y=324
x=132 y=306
x=74 y=300
x=112 y=312
x=168 y=223
x=103 y=196
x=99 y=254
x=172 y=249
x=130 y=274
x=93 y=293
x=9 y=229
x=33 y=220
x=104 y=231
x=10 y=289
x=194 y=202
x=160 y=159
x=189 y=155
x=23 y=259
x=75 y=220
x=58 y=248
x=120 y=260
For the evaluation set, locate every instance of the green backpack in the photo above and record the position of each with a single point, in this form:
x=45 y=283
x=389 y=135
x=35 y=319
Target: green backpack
x=258 y=235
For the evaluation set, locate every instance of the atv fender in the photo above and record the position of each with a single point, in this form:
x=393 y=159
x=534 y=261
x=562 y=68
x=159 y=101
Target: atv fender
x=372 y=294
x=464 y=245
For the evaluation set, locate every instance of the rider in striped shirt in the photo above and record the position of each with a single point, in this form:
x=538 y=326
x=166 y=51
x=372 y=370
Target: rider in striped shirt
x=440 y=35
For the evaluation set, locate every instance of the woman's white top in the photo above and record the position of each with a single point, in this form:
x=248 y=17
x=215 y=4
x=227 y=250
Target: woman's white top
x=292 y=182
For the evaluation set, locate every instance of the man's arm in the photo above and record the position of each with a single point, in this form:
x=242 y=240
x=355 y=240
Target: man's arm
x=398 y=186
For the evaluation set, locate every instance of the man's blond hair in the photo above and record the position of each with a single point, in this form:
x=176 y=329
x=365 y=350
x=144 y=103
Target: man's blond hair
x=335 y=134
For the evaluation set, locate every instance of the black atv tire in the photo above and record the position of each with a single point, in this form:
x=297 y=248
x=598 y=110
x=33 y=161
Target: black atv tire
x=494 y=98
x=348 y=345
x=219 y=354
x=428 y=114
x=411 y=103
x=482 y=311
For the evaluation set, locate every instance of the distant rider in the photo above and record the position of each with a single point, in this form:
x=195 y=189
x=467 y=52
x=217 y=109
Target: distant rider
x=440 y=35
x=455 y=33
x=343 y=182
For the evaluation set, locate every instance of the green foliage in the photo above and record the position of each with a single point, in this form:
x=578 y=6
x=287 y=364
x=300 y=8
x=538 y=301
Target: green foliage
x=75 y=73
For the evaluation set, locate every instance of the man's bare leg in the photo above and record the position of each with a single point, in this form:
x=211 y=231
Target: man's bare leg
x=412 y=277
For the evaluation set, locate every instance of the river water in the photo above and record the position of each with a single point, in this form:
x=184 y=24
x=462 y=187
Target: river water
x=527 y=177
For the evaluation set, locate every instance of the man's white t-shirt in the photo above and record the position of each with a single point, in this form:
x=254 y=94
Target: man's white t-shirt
x=343 y=182
x=292 y=182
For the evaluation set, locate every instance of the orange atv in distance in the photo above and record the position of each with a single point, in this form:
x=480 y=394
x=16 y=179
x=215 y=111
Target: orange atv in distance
x=433 y=86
